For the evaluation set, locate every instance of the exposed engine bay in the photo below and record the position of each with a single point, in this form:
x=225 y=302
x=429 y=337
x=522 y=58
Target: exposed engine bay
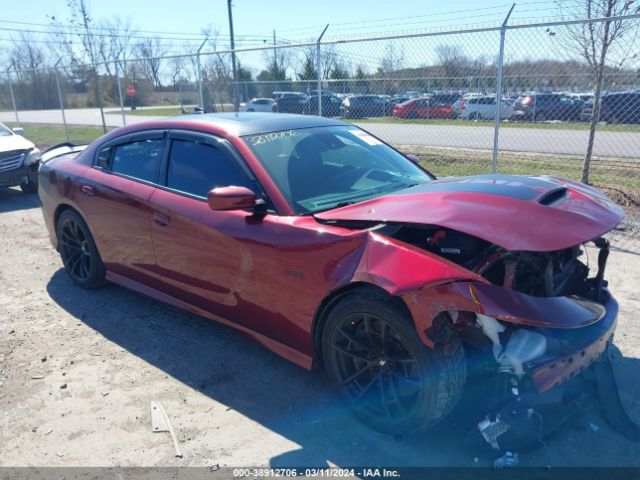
x=541 y=274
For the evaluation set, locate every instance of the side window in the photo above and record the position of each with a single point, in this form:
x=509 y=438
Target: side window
x=104 y=158
x=196 y=168
x=138 y=159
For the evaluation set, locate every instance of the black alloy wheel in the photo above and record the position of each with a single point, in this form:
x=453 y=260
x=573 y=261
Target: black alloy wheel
x=390 y=380
x=376 y=367
x=78 y=251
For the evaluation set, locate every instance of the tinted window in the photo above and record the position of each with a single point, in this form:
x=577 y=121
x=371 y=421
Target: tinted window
x=104 y=157
x=137 y=159
x=196 y=168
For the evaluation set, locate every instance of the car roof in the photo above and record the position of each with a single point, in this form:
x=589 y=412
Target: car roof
x=251 y=123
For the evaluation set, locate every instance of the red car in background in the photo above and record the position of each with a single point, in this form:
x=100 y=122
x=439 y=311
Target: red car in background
x=433 y=107
x=332 y=249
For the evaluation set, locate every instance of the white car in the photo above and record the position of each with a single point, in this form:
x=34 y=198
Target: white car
x=482 y=108
x=258 y=105
x=19 y=160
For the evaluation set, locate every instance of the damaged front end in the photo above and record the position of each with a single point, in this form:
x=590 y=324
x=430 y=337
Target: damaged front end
x=530 y=304
x=533 y=328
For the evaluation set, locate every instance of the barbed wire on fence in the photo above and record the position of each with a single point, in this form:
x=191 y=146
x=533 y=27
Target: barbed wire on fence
x=396 y=85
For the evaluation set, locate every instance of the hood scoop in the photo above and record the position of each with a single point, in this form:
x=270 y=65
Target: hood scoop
x=553 y=196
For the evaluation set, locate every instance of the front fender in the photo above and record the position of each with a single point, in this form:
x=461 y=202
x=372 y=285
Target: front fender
x=398 y=267
x=409 y=273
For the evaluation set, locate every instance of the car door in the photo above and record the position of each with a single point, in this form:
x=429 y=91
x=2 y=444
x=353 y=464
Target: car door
x=487 y=107
x=439 y=108
x=219 y=261
x=422 y=108
x=115 y=203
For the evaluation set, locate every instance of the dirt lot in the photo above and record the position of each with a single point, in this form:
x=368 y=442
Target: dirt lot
x=78 y=370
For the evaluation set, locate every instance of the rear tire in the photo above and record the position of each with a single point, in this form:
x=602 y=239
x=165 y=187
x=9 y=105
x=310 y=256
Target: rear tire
x=375 y=359
x=78 y=251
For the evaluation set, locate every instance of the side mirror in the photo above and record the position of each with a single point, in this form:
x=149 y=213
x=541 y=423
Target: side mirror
x=18 y=131
x=231 y=198
x=413 y=158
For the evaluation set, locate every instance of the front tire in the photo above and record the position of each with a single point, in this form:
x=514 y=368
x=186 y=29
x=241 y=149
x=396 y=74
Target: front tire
x=375 y=359
x=78 y=251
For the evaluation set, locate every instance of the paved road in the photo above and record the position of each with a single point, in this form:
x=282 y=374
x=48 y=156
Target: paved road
x=534 y=140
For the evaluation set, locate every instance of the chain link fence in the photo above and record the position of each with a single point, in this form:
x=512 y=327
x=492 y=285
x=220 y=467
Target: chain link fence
x=434 y=94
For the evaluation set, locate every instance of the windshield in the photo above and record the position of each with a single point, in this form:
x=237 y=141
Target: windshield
x=327 y=167
x=4 y=131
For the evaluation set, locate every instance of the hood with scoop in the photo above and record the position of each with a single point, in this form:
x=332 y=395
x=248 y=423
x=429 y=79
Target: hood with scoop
x=524 y=213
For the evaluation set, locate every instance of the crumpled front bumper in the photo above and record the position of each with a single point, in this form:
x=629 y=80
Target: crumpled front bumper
x=573 y=351
x=577 y=329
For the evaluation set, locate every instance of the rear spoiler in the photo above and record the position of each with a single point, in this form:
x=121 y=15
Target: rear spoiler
x=60 y=149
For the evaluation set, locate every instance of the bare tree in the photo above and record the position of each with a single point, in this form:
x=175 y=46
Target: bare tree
x=28 y=58
x=278 y=61
x=596 y=42
x=150 y=50
x=308 y=69
x=82 y=28
x=393 y=58
x=119 y=45
x=453 y=61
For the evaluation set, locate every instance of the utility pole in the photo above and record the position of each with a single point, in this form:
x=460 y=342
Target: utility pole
x=233 y=58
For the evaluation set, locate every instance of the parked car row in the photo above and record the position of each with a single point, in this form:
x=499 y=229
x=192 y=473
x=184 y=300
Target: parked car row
x=528 y=107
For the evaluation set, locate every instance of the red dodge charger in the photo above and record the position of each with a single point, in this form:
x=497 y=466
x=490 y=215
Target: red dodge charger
x=332 y=249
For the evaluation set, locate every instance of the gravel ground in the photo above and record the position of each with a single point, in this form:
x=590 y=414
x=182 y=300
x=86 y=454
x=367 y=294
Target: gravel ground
x=78 y=370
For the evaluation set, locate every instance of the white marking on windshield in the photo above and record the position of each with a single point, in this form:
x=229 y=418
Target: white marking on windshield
x=270 y=137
